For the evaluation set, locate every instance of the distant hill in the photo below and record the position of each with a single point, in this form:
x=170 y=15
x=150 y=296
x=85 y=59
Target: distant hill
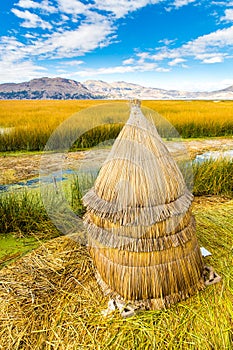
x=45 y=88
x=65 y=89
x=228 y=89
x=123 y=90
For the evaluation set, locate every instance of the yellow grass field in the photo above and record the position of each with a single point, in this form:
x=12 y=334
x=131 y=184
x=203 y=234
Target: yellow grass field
x=51 y=112
x=179 y=112
x=34 y=121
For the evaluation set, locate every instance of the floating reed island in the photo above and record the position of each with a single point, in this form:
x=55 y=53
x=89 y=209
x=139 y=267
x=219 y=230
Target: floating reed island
x=141 y=232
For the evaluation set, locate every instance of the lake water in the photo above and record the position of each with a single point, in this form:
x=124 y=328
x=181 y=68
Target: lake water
x=214 y=155
x=92 y=163
x=35 y=182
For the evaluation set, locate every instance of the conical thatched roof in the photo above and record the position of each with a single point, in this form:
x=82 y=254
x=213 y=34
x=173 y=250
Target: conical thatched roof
x=140 y=228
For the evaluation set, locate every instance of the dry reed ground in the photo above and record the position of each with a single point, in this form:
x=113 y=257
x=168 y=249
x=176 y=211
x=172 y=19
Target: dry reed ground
x=22 y=167
x=50 y=299
x=25 y=166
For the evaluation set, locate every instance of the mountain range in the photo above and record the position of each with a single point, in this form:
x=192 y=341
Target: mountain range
x=65 y=89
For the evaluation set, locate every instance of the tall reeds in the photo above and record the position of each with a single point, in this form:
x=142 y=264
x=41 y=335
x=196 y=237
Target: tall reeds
x=213 y=177
x=32 y=122
x=196 y=118
x=24 y=212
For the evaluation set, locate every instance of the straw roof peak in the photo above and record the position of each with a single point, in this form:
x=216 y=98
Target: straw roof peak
x=138 y=120
x=139 y=177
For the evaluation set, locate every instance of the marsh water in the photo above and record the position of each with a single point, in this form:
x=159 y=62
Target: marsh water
x=92 y=162
x=214 y=155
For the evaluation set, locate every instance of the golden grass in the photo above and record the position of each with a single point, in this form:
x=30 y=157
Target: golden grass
x=50 y=300
x=197 y=118
x=197 y=112
x=19 y=113
x=38 y=113
x=34 y=121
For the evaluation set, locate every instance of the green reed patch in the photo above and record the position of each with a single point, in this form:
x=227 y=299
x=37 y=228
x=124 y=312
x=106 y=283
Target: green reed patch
x=23 y=211
x=213 y=177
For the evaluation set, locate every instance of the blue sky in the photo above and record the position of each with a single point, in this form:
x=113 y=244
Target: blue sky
x=171 y=44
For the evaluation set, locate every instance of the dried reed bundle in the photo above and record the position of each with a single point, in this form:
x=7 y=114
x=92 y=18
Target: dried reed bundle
x=44 y=293
x=50 y=300
x=141 y=232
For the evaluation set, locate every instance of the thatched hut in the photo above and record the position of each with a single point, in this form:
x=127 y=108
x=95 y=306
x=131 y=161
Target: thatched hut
x=141 y=232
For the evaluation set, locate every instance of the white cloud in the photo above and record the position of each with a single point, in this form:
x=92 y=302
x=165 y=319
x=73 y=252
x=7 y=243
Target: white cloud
x=219 y=39
x=60 y=44
x=165 y=54
x=145 y=67
x=206 y=48
x=208 y=56
x=72 y=63
x=223 y=3
x=42 y=5
x=11 y=49
x=228 y=15
x=181 y=3
x=64 y=18
x=72 y=7
x=20 y=71
x=167 y=42
x=177 y=4
x=128 y=61
x=176 y=61
x=30 y=36
x=117 y=70
x=76 y=42
x=143 y=55
x=209 y=49
x=31 y=20
x=162 y=70
x=217 y=59
x=120 y=8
